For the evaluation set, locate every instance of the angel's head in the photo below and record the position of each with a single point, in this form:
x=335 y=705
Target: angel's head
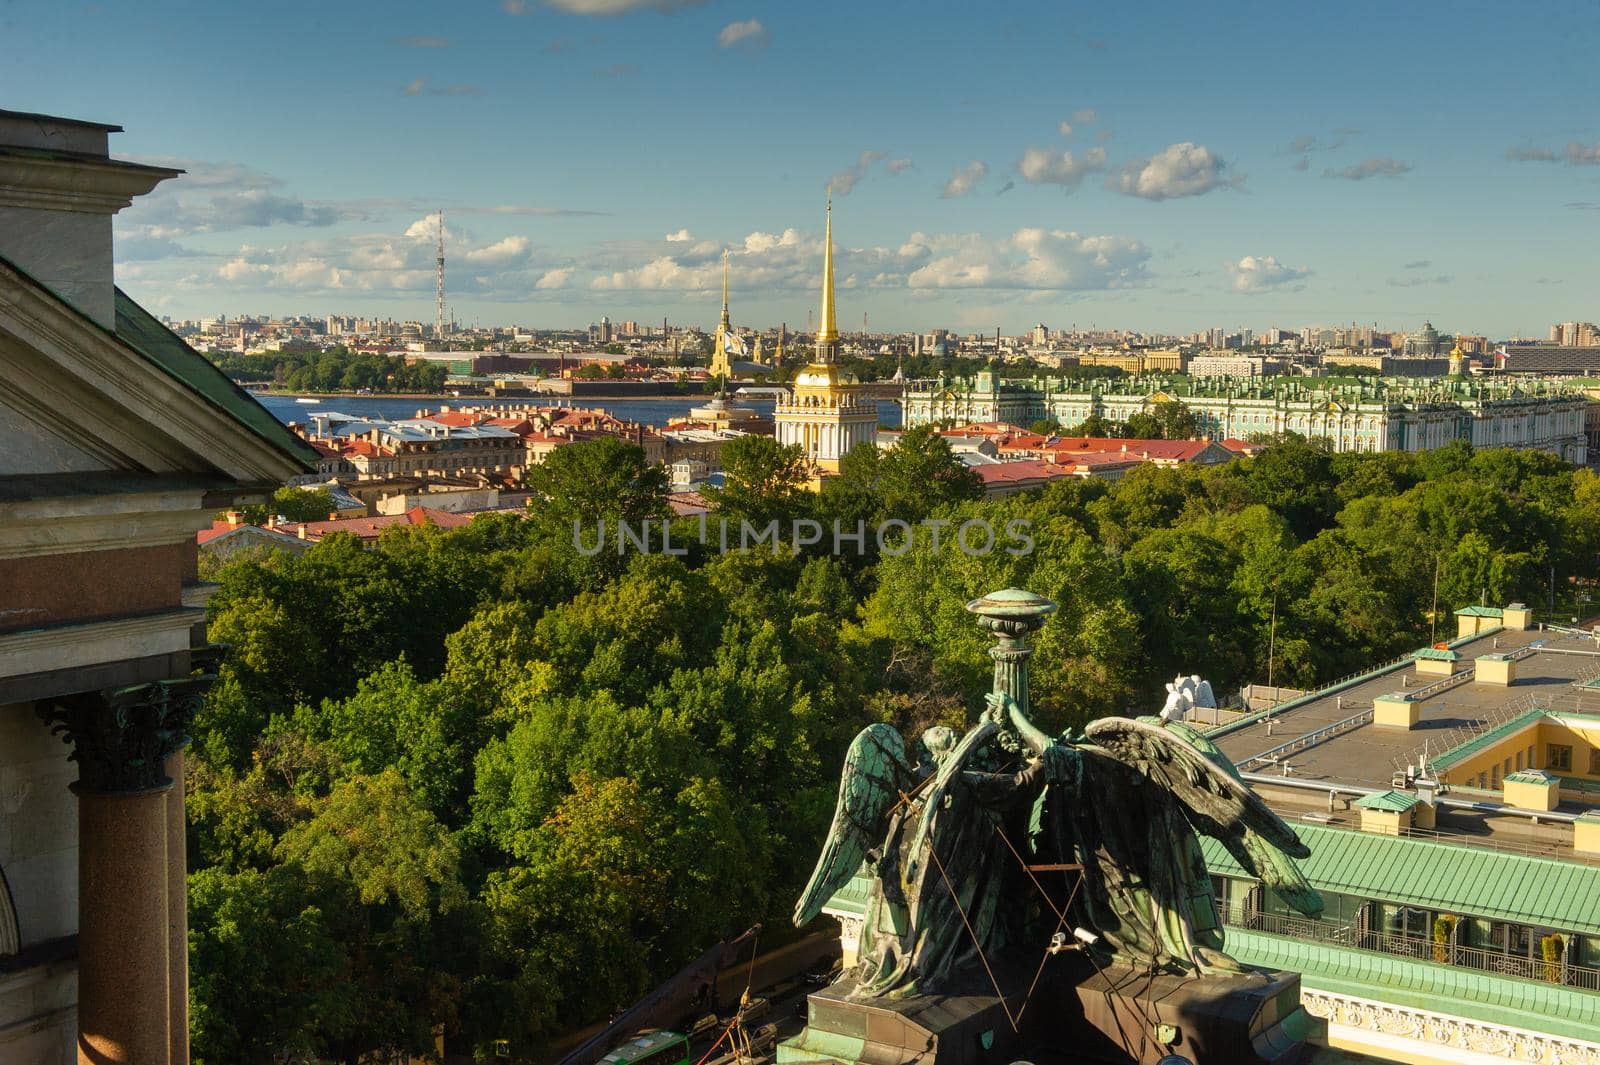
x=936 y=744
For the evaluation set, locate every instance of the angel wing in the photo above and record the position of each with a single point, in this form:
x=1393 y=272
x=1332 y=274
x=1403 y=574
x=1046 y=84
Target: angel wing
x=875 y=771
x=1214 y=800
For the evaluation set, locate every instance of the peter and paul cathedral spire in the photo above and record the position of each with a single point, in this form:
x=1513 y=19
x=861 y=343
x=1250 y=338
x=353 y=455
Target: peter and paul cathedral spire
x=720 y=366
x=725 y=326
x=828 y=333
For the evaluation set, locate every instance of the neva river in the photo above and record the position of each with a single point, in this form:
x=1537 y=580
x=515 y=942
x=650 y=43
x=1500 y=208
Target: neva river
x=652 y=412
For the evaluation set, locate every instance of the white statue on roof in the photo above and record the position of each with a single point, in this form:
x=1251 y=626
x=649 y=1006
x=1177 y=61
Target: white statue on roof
x=1186 y=693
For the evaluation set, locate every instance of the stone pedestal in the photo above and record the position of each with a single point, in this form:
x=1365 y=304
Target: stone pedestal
x=123 y=977
x=1076 y=1013
x=1250 y=1019
x=930 y=1029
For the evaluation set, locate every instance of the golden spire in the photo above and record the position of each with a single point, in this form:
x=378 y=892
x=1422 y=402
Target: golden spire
x=828 y=334
x=725 y=322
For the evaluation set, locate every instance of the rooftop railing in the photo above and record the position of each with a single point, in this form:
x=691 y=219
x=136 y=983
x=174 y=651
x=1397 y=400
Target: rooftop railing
x=1420 y=948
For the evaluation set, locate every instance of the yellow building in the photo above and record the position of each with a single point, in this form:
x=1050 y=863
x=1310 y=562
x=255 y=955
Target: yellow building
x=826 y=415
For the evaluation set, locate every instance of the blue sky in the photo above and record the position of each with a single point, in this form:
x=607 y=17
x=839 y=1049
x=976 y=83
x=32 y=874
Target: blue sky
x=1156 y=166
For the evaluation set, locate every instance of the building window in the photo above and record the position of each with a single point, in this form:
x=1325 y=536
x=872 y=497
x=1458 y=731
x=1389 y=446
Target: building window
x=1494 y=778
x=1558 y=756
x=1594 y=761
x=1519 y=761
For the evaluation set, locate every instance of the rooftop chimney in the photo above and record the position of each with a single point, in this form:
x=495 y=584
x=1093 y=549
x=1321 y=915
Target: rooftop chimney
x=59 y=188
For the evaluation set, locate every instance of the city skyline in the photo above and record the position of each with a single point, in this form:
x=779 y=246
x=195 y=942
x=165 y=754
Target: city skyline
x=1133 y=170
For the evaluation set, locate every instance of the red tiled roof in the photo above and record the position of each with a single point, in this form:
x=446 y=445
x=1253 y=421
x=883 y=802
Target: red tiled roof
x=216 y=530
x=985 y=429
x=360 y=446
x=457 y=418
x=1001 y=473
x=687 y=504
x=372 y=528
x=1065 y=448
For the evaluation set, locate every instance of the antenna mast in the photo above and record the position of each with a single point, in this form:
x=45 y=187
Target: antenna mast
x=438 y=310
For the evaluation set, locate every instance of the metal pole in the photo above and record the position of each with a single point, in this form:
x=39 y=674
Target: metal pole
x=1433 y=615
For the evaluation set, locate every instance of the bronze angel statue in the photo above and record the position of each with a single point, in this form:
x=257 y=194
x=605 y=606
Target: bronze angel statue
x=952 y=830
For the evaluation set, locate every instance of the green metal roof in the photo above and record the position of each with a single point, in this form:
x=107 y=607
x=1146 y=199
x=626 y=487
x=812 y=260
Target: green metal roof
x=1436 y=654
x=1484 y=740
x=1408 y=982
x=139 y=330
x=1531 y=776
x=1481 y=612
x=1453 y=877
x=1393 y=802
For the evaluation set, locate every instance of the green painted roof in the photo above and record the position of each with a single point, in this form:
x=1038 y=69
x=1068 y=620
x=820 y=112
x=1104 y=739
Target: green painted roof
x=1393 y=802
x=1462 y=992
x=1484 y=740
x=1454 y=877
x=139 y=330
x=1531 y=776
x=1481 y=612
x=1436 y=654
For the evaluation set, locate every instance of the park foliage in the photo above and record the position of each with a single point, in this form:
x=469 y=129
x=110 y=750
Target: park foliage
x=481 y=781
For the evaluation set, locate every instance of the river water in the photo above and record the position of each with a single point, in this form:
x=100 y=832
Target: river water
x=652 y=412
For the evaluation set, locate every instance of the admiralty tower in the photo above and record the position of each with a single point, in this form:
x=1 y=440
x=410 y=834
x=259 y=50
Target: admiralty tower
x=826 y=414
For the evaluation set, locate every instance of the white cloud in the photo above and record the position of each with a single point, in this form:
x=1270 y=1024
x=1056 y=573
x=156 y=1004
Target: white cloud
x=1413 y=282
x=554 y=279
x=963 y=179
x=1261 y=273
x=759 y=242
x=414 y=88
x=679 y=237
x=750 y=33
x=1084 y=116
x=1382 y=166
x=845 y=180
x=1185 y=169
x=501 y=252
x=606 y=8
x=1042 y=166
x=1576 y=153
x=895 y=166
x=1065 y=129
x=1031 y=258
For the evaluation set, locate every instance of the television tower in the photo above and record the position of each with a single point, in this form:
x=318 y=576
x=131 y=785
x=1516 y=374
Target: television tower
x=438 y=310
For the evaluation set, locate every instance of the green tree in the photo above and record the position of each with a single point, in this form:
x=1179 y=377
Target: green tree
x=764 y=481
x=919 y=474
